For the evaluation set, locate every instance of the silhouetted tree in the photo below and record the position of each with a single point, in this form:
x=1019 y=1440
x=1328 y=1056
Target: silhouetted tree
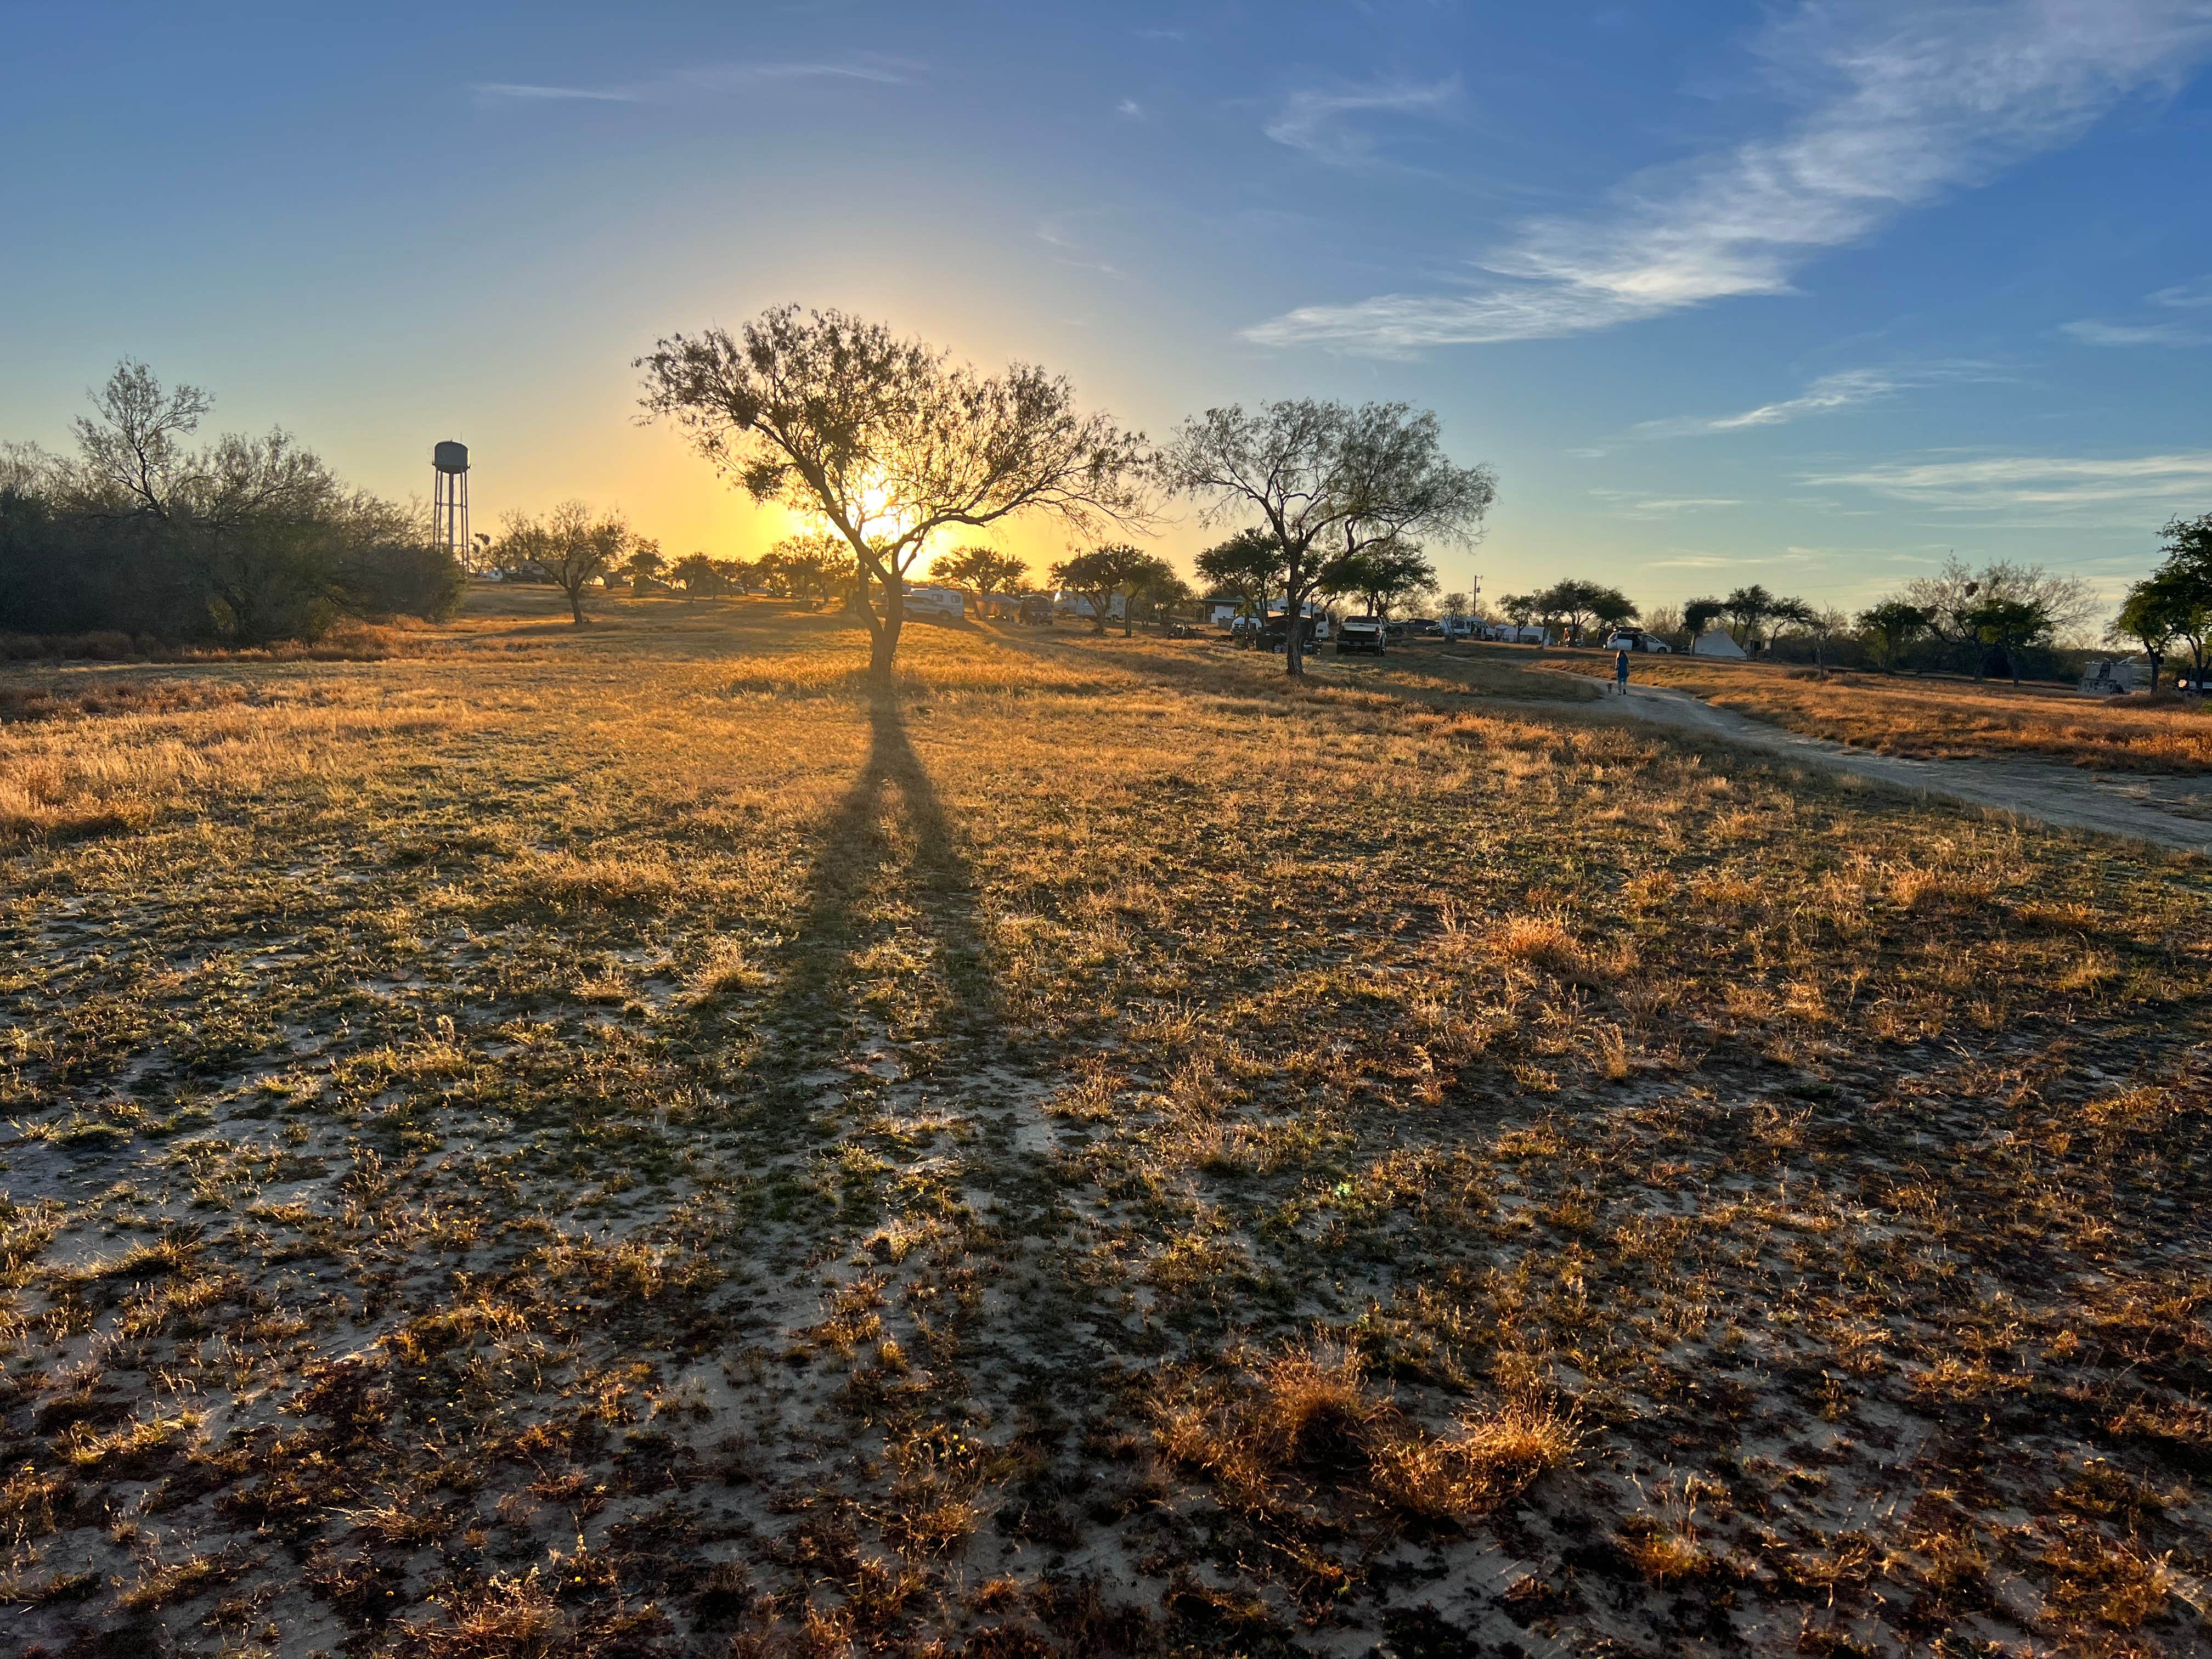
x=1158 y=591
x=1382 y=576
x=808 y=568
x=574 y=547
x=645 y=562
x=1578 y=605
x=1748 y=608
x=1699 y=615
x=2007 y=625
x=1099 y=576
x=978 y=572
x=889 y=441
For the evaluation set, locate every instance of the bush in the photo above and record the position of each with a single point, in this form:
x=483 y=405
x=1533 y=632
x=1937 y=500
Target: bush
x=248 y=542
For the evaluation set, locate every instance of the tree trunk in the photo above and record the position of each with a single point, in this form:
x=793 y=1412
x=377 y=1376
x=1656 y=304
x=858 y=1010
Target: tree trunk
x=576 y=602
x=2155 y=658
x=883 y=631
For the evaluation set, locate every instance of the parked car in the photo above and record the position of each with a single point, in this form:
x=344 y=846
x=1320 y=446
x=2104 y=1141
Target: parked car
x=1035 y=610
x=1632 y=639
x=1361 y=634
x=1275 y=636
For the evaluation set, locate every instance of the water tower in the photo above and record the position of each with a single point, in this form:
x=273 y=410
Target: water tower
x=449 y=499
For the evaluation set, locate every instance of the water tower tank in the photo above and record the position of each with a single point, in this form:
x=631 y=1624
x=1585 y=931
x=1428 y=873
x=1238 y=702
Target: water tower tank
x=450 y=456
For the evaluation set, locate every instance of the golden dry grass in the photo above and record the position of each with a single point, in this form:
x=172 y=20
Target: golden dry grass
x=1942 y=719
x=618 y=1142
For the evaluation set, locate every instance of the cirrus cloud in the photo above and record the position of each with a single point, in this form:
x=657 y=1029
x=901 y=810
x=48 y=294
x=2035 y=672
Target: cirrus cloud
x=1922 y=100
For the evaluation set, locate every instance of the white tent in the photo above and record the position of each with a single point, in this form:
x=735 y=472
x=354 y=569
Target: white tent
x=1716 y=642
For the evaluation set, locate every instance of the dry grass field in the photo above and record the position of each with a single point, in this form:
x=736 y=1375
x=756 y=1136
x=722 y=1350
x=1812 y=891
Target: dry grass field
x=1938 y=719
x=615 y=1143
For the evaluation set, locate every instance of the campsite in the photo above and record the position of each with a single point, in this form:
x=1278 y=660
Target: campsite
x=1158 y=831
x=731 y=1156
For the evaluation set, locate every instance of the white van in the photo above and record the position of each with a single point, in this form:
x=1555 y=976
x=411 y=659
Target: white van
x=937 y=604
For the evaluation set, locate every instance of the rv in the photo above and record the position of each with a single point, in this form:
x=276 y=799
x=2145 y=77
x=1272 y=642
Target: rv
x=1068 y=604
x=936 y=604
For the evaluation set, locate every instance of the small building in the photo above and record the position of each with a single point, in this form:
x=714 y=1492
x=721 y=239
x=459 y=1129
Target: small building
x=1717 y=642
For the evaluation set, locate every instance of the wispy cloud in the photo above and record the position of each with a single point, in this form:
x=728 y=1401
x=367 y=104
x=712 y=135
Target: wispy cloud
x=2090 y=331
x=1058 y=233
x=1322 y=125
x=705 y=78
x=1920 y=98
x=2049 y=484
x=508 y=90
x=2182 y=296
x=1846 y=389
x=1131 y=108
x=1628 y=505
x=1828 y=393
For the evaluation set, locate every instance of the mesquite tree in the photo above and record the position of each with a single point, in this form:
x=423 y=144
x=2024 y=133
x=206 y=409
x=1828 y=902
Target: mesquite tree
x=1248 y=565
x=888 y=442
x=1330 y=483
x=574 y=546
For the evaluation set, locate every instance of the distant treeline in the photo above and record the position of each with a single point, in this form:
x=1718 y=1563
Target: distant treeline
x=244 y=542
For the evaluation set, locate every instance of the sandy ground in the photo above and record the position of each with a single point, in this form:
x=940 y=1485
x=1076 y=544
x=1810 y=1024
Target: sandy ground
x=2169 y=811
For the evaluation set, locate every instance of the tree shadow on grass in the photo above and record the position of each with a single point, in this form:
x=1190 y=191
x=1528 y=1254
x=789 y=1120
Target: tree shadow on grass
x=859 y=853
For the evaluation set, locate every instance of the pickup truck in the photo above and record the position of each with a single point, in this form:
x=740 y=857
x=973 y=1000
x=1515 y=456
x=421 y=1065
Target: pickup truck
x=1361 y=634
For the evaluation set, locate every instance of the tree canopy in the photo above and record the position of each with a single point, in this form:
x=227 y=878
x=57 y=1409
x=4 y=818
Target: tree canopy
x=247 y=539
x=811 y=569
x=1329 y=482
x=1101 y=574
x=1889 y=627
x=979 y=571
x=2174 y=602
x=1383 y=576
x=1248 y=565
x=572 y=546
x=888 y=441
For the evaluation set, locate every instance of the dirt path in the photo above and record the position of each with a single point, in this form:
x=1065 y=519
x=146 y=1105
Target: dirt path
x=2170 y=812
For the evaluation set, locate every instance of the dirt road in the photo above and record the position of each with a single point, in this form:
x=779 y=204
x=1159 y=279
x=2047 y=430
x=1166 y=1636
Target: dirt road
x=2169 y=811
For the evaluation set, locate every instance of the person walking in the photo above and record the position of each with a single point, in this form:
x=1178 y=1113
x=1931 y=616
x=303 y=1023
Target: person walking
x=1620 y=669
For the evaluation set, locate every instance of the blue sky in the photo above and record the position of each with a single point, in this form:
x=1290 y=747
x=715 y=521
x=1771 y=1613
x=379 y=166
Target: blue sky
x=1809 y=295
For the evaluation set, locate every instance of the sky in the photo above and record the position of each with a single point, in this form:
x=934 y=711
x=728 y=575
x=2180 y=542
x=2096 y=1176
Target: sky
x=1812 y=294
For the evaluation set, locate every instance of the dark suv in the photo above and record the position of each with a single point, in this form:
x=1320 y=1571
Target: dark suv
x=1361 y=634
